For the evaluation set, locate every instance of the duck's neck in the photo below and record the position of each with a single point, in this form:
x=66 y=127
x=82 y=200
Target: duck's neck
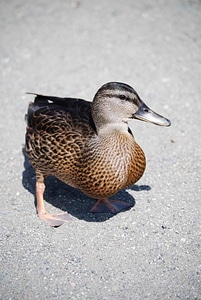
x=111 y=128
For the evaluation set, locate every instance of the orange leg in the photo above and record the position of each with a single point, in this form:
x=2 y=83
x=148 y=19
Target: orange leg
x=109 y=206
x=51 y=219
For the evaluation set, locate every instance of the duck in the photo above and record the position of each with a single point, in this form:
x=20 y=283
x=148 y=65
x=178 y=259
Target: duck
x=87 y=145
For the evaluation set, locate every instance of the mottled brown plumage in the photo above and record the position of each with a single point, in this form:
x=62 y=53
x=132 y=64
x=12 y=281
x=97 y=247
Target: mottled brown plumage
x=87 y=145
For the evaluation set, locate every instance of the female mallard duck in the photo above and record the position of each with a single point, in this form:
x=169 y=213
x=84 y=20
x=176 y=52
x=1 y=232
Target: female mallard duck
x=87 y=145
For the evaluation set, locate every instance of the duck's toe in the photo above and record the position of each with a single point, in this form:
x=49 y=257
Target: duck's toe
x=55 y=220
x=110 y=206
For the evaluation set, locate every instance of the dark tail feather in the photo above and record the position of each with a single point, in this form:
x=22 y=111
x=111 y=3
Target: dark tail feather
x=44 y=98
x=56 y=100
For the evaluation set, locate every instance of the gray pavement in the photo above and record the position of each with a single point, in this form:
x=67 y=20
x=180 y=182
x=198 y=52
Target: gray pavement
x=70 y=48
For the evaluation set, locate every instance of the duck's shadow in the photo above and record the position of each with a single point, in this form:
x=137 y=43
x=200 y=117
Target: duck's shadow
x=70 y=199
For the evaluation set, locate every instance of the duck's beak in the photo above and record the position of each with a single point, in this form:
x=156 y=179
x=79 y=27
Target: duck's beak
x=144 y=113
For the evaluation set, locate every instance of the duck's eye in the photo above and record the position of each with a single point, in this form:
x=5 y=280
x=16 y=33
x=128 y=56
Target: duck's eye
x=122 y=97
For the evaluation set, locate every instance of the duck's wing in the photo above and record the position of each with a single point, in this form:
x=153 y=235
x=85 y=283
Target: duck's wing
x=46 y=112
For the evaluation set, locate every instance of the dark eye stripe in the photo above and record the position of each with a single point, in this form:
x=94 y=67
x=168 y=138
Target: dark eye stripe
x=117 y=90
x=118 y=94
x=114 y=95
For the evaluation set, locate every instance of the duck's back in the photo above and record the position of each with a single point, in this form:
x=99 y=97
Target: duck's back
x=57 y=129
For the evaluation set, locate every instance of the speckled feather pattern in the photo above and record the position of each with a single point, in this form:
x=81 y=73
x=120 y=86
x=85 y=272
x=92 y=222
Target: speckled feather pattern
x=62 y=141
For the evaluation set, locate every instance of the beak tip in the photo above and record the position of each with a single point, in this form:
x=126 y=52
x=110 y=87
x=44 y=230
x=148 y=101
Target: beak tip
x=167 y=123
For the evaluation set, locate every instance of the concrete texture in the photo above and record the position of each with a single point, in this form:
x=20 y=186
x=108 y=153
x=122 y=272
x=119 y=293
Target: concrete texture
x=70 y=48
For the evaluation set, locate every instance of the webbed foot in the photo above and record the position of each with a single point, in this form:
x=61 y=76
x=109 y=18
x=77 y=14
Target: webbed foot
x=54 y=220
x=110 y=206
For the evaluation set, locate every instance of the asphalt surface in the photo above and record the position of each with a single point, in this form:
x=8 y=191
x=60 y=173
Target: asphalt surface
x=71 y=48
